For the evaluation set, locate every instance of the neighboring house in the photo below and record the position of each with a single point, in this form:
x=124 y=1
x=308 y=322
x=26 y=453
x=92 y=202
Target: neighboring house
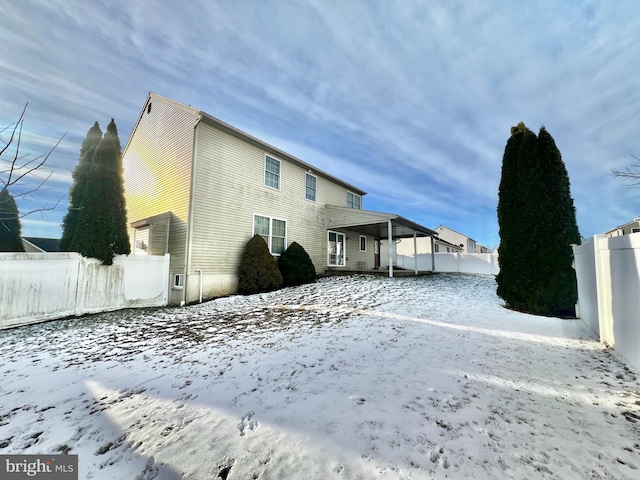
x=482 y=249
x=37 y=244
x=446 y=241
x=405 y=246
x=467 y=244
x=199 y=189
x=626 y=229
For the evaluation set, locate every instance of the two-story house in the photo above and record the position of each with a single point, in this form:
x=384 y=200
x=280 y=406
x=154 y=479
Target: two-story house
x=199 y=189
x=626 y=229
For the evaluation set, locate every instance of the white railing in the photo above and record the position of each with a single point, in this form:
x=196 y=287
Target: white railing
x=608 y=273
x=44 y=286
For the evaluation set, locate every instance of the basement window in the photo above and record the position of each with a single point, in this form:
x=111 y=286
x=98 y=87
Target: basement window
x=178 y=281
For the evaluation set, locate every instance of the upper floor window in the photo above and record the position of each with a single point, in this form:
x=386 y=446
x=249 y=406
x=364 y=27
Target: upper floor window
x=274 y=232
x=354 y=200
x=271 y=172
x=310 y=187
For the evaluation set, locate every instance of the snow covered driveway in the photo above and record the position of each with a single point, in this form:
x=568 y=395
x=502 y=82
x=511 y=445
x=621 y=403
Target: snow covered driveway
x=350 y=377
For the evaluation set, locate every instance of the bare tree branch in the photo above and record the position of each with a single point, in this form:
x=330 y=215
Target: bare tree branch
x=631 y=173
x=20 y=168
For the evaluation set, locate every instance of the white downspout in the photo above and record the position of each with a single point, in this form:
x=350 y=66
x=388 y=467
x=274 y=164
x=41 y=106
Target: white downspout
x=390 y=227
x=187 y=252
x=199 y=270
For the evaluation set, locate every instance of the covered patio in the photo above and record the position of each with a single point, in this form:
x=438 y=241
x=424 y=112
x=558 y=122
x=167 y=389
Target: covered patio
x=383 y=226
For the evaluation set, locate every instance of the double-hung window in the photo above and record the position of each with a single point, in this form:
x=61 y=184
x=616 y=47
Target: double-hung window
x=271 y=172
x=274 y=232
x=354 y=200
x=310 y=187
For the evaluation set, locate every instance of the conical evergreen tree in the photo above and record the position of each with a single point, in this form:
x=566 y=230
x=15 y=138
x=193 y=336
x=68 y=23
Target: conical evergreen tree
x=76 y=193
x=509 y=208
x=102 y=228
x=537 y=226
x=558 y=223
x=10 y=228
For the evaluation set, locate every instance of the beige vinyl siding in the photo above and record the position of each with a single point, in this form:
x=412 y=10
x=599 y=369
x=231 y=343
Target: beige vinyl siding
x=353 y=253
x=340 y=217
x=157 y=170
x=451 y=236
x=158 y=237
x=229 y=189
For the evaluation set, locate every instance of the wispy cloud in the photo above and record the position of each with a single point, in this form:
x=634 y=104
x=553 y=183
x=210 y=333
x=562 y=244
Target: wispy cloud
x=411 y=100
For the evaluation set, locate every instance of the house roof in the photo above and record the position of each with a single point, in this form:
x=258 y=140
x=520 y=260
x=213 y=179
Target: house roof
x=375 y=224
x=231 y=130
x=452 y=230
x=44 y=244
x=628 y=224
x=446 y=244
x=225 y=127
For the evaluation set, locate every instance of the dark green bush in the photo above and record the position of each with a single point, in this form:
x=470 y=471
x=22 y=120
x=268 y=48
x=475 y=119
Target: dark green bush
x=296 y=266
x=258 y=270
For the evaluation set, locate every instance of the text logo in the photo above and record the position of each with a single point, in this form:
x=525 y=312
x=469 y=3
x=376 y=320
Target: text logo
x=49 y=467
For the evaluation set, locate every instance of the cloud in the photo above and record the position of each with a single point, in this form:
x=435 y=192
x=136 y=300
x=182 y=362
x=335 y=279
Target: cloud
x=412 y=97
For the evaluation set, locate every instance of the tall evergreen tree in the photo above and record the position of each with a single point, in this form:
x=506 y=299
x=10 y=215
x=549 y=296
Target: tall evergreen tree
x=10 y=228
x=102 y=228
x=537 y=223
x=76 y=193
x=509 y=207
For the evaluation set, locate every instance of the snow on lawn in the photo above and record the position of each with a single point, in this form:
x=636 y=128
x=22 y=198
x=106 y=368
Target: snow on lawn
x=350 y=377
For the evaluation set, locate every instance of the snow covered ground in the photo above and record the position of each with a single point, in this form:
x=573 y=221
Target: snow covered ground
x=350 y=377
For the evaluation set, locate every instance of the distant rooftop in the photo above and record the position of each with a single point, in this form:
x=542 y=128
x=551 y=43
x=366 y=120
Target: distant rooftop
x=44 y=244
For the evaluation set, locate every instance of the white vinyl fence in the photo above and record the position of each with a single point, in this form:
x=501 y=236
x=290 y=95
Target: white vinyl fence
x=486 y=263
x=44 y=286
x=608 y=273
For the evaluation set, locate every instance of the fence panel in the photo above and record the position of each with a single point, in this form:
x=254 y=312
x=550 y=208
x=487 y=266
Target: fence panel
x=609 y=292
x=485 y=263
x=44 y=286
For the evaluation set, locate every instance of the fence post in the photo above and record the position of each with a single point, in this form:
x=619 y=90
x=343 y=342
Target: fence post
x=603 y=289
x=80 y=285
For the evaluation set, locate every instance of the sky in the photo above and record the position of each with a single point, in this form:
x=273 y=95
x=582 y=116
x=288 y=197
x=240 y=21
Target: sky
x=412 y=101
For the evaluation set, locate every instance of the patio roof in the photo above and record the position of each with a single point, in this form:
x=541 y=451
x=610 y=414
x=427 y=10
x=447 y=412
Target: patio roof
x=376 y=224
x=388 y=226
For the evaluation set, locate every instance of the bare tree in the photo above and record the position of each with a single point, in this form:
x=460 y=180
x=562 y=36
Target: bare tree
x=630 y=174
x=18 y=171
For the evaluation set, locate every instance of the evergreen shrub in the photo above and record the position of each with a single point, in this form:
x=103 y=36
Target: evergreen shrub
x=258 y=271
x=296 y=266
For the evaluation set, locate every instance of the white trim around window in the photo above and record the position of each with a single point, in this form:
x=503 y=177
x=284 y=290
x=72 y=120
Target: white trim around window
x=363 y=243
x=354 y=200
x=273 y=230
x=272 y=172
x=310 y=187
x=336 y=249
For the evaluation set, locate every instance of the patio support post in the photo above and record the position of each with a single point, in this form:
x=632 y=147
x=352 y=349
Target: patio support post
x=433 y=255
x=390 y=227
x=415 y=253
